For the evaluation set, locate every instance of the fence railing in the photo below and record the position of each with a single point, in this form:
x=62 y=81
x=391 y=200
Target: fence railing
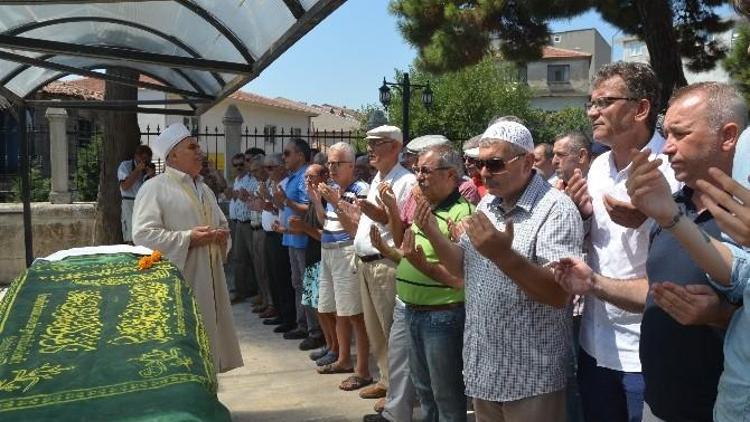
x=85 y=153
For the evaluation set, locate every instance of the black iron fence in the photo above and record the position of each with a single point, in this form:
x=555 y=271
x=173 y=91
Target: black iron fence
x=85 y=153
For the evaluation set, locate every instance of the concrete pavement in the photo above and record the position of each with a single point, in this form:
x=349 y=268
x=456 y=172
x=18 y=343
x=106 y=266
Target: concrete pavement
x=279 y=383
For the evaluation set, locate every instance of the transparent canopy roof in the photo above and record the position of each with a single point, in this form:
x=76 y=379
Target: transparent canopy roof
x=194 y=48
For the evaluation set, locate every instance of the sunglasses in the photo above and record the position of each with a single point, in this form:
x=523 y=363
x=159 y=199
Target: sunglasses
x=495 y=165
x=238 y=164
x=426 y=170
x=269 y=167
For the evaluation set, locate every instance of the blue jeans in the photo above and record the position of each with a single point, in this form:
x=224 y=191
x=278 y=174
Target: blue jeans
x=436 y=362
x=609 y=395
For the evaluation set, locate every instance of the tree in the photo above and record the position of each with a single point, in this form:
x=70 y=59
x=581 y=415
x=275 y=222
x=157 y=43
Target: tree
x=547 y=125
x=452 y=34
x=40 y=186
x=737 y=63
x=88 y=169
x=121 y=137
x=464 y=101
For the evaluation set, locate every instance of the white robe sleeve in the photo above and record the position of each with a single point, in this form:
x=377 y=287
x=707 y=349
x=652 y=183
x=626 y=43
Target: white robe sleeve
x=150 y=229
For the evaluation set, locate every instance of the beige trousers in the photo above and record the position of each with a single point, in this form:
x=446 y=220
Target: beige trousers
x=548 y=407
x=378 y=282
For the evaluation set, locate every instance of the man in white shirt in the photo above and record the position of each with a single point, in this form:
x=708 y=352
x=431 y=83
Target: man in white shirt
x=132 y=174
x=377 y=273
x=623 y=110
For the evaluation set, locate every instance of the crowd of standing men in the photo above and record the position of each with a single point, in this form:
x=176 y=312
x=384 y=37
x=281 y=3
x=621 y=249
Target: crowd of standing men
x=474 y=273
x=531 y=282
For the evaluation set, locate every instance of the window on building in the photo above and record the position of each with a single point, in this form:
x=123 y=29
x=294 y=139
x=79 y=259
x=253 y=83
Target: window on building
x=635 y=49
x=558 y=73
x=556 y=39
x=269 y=133
x=296 y=132
x=523 y=75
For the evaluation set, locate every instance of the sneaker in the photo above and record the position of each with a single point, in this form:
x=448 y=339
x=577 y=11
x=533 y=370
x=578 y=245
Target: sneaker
x=295 y=334
x=375 y=417
x=284 y=328
x=317 y=354
x=327 y=359
x=311 y=343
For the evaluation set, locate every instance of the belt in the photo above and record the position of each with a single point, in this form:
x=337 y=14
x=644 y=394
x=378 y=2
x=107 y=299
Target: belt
x=428 y=308
x=337 y=245
x=252 y=227
x=129 y=198
x=371 y=258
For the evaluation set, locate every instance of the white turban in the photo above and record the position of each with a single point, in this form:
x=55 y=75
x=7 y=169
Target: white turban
x=511 y=132
x=168 y=138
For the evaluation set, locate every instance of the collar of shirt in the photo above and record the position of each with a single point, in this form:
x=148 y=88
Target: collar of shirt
x=392 y=174
x=655 y=144
x=447 y=203
x=531 y=194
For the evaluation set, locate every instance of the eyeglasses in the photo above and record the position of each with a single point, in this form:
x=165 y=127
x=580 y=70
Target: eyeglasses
x=495 y=165
x=238 y=164
x=469 y=161
x=426 y=170
x=311 y=176
x=377 y=143
x=337 y=163
x=269 y=167
x=603 y=102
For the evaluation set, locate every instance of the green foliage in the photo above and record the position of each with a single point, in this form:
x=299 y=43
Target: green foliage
x=465 y=101
x=547 y=125
x=40 y=186
x=737 y=63
x=87 y=171
x=452 y=34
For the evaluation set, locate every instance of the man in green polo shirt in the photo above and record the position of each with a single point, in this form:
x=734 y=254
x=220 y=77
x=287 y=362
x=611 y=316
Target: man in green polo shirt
x=434 y=299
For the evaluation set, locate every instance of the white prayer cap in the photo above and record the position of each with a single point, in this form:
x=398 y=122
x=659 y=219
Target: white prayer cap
x=511 y=132
x=385 y=132
x=420 y=144
x=168 y=138
x=472 y=152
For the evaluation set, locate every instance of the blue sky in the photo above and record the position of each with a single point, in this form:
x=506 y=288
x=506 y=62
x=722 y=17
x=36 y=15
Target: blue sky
x=343 y=60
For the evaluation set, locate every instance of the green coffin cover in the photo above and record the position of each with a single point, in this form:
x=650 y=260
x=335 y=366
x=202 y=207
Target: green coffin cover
x=94 y=338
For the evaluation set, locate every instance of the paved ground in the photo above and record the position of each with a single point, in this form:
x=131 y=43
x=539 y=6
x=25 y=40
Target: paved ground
x=279 y=383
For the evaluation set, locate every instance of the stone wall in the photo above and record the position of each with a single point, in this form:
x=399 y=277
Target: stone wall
x=54 y=227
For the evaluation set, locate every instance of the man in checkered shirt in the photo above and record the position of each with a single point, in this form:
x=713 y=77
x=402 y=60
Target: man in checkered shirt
x=516 y=338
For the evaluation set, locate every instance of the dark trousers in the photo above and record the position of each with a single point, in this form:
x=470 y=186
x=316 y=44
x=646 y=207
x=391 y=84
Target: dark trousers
x=609 y=395
x=279 y=272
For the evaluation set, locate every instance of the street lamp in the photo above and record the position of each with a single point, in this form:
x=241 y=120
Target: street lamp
x=406 y=88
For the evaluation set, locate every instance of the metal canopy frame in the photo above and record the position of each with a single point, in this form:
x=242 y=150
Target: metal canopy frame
x=187 y=68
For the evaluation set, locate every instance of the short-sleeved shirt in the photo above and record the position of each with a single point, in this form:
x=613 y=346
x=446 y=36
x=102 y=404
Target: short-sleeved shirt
x=312 y=252
x=733 y=399
x=297 y=192
x=242 y=211
x=681 y=364
x=608 y=333
x=415 y=288
x=267 y=218
x=741 y=166
x=333 y=231
x=123 y=171
x=401 y=181
x=469 y=190
x=515 y=347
